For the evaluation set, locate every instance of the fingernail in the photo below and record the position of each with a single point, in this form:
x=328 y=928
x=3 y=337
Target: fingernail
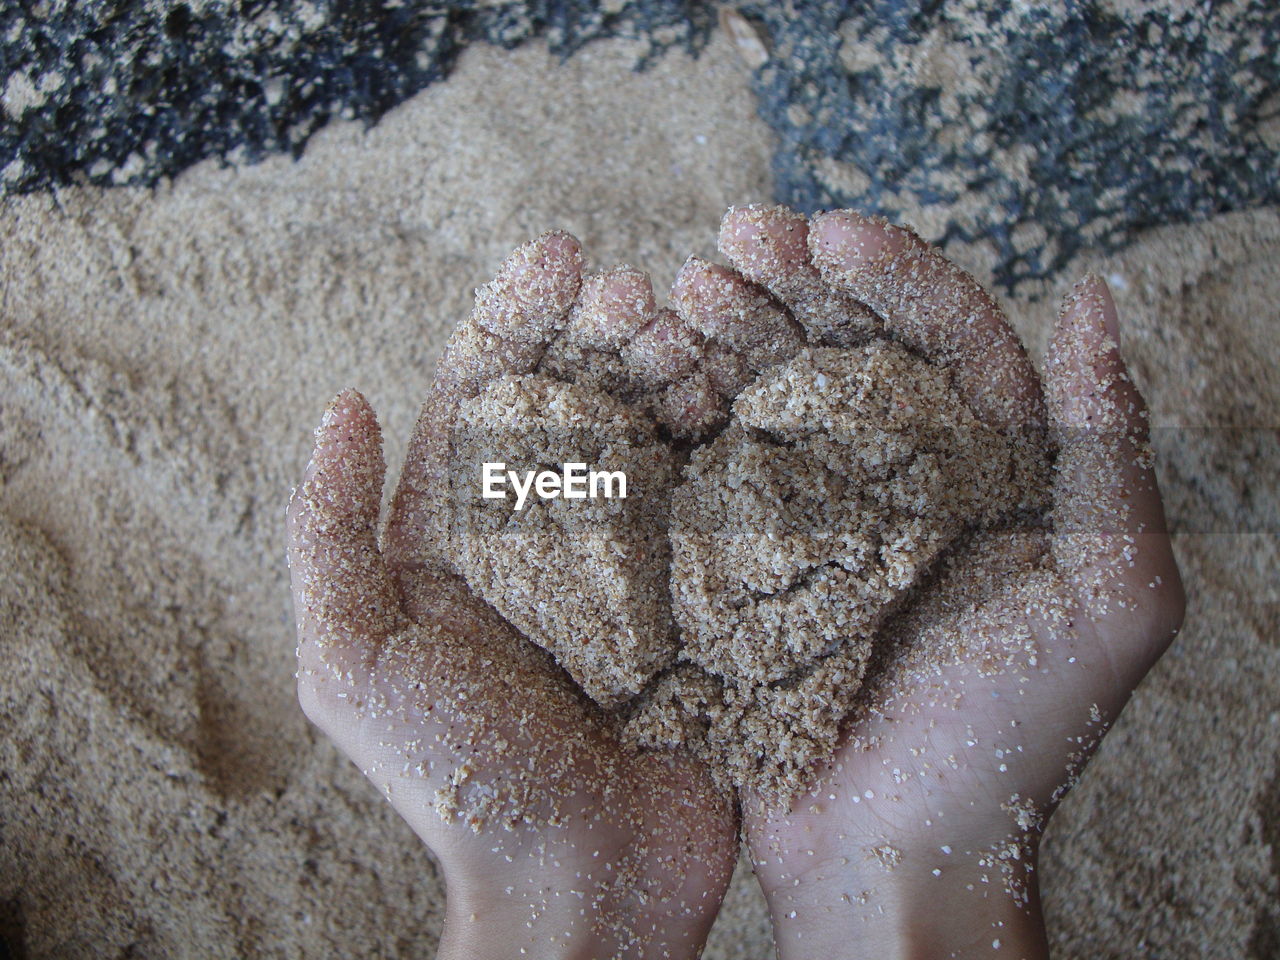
x=854 y=241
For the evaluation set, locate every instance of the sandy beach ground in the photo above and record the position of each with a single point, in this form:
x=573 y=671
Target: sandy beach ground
x=164 y=355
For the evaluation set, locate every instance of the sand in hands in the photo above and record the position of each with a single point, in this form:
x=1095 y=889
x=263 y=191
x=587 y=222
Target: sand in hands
x=556 y=567
x=793 y=473
x=842 y=476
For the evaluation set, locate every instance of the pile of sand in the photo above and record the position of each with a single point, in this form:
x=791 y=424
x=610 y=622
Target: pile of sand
x=799 y=520
x=843 y=474
x=163 y=356
x=584 y=578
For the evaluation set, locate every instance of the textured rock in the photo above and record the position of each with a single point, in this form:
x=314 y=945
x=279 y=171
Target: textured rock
x=1039 y=130
x=120 y=92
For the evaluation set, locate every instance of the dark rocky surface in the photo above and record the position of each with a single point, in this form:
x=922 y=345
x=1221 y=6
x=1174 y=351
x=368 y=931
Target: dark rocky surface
x=127 y=92
x=1039 y=129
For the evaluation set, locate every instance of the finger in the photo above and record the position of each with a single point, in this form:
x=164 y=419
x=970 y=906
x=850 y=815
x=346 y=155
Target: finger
x=663 y=350
x=735 y=313
x=516 y=315
x=769 y=245
x=535 y=287
x=742 y=331
x=1110 y=538
x=934 y=307
x=343 y=598
x=611 y=308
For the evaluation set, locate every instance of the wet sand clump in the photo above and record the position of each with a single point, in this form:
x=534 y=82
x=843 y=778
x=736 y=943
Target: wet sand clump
x=731 y=612
x=584 y=578
x=841 y=477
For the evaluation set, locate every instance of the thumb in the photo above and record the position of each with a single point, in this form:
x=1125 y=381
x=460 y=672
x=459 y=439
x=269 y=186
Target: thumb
x=344 y=601
x=1110 y=540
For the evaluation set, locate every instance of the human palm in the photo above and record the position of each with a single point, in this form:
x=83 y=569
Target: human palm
x=554 y=839
x=920 y=834
x=985 y=701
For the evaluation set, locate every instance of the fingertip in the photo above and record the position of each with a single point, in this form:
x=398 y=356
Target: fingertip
x=665 y=349
x=1088 y=311
x=562 y=250
x=765 y=239
x=348 y=411
x=684 y=286
x=740 y=214
x=612 y=306
x=1088 y=383
x=847 y=242
x=1095 y=292
x=545 y=273
x=706 y=295
x=344 y=478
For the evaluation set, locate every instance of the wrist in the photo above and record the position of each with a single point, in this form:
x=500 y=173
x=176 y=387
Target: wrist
x=920 y=903
x=481 y=927
x=559 y=915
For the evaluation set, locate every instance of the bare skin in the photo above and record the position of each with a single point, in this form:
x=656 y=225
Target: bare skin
x=919 y=838
x=554 y=839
